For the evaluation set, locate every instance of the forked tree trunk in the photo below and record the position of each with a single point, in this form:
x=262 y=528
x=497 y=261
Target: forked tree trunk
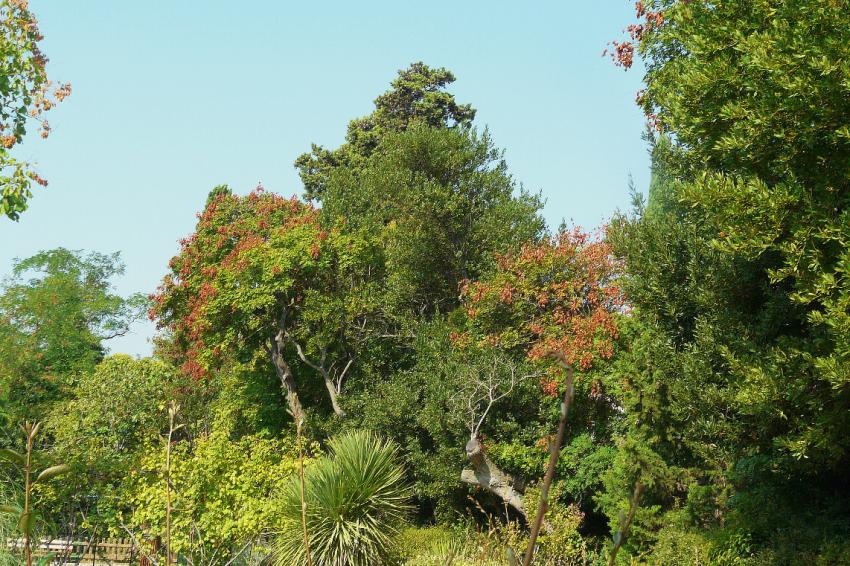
x=485 y=474
x=327 y=375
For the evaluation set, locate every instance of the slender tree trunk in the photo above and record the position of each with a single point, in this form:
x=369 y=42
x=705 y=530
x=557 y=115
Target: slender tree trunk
x=334 y=395
x=300 y=441
x=172 y=410
x=27 y=467
x=620 y=535
x=284 y=373
x=550 y=469
x=485 y=474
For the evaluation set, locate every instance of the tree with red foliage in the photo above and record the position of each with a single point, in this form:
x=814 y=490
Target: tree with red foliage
x=261 y=276
x=557 y=296
x=552 y=302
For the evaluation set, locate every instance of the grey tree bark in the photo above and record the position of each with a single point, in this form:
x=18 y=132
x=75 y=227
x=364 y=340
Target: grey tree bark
x=485 y=474
x=284 y=373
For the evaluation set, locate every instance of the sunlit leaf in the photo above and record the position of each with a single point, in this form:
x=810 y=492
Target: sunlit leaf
x=52 y=472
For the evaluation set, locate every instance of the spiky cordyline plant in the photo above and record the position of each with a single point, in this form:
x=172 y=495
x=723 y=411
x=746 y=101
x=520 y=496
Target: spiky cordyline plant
x=356 y=500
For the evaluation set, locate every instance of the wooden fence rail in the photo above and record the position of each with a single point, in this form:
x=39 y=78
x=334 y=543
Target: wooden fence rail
x=68 y=551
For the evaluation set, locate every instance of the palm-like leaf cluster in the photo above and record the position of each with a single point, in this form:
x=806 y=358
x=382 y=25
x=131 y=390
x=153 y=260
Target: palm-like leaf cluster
x=356 y=500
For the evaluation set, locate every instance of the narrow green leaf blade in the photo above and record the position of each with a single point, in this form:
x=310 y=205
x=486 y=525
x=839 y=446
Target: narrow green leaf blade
x=10 y=509
x=11 y=456
x=52 y=472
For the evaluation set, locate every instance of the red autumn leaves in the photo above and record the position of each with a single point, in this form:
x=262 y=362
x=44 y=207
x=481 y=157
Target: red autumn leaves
x=556 y=296
x=249 y=253
x=29 y=94
x=198 y=300
x=623 y=52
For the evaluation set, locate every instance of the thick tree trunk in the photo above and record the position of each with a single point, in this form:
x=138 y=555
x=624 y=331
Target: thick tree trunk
x=485 y=474
x=284 y=373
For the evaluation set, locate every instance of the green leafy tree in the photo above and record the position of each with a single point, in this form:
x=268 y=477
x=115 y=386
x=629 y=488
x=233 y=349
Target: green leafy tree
x=557 y=299
x=56 y=310
x=418 y=95
x=223 y=493
x=25 y=95
x=433 y=197
x=737 y=370
x=115 y=412
x=415 y=176
x=773 y=141
x=481 y=393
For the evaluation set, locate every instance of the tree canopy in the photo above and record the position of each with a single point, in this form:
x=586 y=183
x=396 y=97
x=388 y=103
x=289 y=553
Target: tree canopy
x=262 y=277
x=737 y=363
x=432 y=197
x=417 y=96
x=56 y=310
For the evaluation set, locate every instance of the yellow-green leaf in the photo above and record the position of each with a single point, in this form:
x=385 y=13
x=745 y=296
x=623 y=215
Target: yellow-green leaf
x=52 y=472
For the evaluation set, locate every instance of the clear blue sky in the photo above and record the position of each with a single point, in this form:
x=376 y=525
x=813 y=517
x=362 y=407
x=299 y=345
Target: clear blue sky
x=173 y=97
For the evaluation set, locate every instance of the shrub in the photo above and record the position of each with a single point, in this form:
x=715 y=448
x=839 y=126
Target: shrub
x=458 y=546
x=560 y=542
x=223 y=492
x=355 y=502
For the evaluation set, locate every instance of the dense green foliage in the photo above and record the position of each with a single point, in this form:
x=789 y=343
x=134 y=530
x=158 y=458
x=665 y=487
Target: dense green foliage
x=262 y=278
x=225 y=493
x=738 y=361
x=112 y=417
x=418 y=96
x=56 y=309
x=410 y=315
x=431 y=197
